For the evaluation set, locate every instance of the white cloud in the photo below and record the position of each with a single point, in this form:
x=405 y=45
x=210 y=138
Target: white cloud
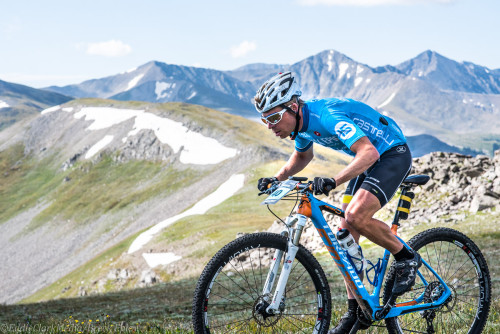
x=242 y=49
x=112 y=48
x=367 y=3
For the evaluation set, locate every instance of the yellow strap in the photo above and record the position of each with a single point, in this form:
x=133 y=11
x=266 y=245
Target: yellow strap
x=347 y=199
x=400 y=208
x=406 y=198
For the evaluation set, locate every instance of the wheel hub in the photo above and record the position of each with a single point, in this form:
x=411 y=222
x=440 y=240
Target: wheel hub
x=261 y=315
x=433 y=292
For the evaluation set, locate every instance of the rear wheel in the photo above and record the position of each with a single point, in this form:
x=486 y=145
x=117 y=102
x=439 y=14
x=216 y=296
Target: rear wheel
x=461 y=265
x=228 y=297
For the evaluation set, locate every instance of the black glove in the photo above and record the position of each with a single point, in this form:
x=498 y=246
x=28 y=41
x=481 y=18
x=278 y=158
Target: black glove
x=264 y=182
x=323 y=185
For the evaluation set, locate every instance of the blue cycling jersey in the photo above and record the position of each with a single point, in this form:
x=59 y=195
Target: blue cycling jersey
x=338 y=123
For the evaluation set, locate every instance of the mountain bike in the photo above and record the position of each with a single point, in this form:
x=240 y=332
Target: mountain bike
x=270 y=283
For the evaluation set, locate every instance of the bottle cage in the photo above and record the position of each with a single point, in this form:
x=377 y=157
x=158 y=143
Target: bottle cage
x=351 y=258
x=377 y=269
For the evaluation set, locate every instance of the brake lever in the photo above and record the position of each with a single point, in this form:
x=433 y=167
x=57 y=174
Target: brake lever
x=271 y=189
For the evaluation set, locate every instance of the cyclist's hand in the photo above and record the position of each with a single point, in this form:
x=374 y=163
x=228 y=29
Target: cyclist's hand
x=264 y=182
x=323 y=185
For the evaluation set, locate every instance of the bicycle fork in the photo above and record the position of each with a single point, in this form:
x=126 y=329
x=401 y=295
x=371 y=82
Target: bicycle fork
x=292 y=248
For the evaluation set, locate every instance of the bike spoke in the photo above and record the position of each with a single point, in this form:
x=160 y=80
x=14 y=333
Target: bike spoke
x=237 y=295
x=446 y=277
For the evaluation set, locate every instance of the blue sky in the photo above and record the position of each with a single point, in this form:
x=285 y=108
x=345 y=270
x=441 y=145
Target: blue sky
x=53 y=42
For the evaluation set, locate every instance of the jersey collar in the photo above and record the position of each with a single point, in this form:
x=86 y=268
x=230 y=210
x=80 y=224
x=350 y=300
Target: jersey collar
x=305 y=118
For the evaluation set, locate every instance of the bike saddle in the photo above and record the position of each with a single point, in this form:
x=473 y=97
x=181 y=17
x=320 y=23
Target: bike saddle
x=417 y=179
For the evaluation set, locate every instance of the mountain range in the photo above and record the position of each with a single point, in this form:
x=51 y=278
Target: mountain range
x=457 y=102
x=19 y=101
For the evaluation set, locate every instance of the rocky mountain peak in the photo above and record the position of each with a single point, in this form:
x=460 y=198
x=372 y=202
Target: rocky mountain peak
x=448 y=74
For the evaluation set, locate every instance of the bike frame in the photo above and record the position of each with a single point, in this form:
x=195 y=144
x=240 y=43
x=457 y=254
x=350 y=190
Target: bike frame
x=370 y=303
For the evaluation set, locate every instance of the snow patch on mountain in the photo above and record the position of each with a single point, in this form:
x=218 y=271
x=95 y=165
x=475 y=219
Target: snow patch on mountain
x=103 y=117
x=156 y=259
x=132 y=83
x=330 y=62
x=386 y=102
x=99 y=146
x=3 y=104
x=51 y=109
x=225 y=191
x=343 y=69
x=161 y=87
x=195 y=148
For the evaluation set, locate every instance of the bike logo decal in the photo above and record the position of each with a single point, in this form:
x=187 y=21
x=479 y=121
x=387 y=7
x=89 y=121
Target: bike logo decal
x=401 y=149
x=345 y=130
x=317 y=133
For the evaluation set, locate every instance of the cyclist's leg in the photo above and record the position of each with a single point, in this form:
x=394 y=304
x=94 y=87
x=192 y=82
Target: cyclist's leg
x=359 y=215
x=379 y=185
x=349 y=318
x=351 y=189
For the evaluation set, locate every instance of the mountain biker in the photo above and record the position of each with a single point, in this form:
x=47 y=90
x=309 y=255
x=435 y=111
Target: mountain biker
x=381 y=162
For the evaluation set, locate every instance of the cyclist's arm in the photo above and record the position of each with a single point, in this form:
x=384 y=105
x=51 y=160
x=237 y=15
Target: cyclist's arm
x=366 y=155
x=297 y=162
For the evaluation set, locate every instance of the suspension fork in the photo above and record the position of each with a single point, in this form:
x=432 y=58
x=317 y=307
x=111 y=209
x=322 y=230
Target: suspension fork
x=292 y=248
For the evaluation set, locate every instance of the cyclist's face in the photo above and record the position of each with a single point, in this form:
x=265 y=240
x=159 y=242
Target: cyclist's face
x=285 y=126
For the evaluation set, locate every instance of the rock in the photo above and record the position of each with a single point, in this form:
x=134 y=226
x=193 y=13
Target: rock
x=492 y=194
x=123 y=274
x=455 y=199
x=145 y=146
x=113 y=274
x=81 y=291
x=482 y=202
x=148 y=277
x=240 y=234
x=474 y=172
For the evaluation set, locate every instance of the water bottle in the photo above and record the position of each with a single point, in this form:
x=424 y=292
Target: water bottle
x=347 y=242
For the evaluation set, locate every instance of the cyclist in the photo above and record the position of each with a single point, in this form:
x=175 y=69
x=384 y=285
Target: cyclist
x=381 y=162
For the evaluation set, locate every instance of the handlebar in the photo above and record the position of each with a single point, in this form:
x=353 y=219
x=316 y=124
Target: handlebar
x=300 y=186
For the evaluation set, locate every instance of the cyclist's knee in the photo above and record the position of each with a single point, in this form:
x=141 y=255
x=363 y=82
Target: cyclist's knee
x=356 y=220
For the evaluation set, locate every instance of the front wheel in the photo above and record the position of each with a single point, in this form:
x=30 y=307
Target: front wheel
x=461 y=265
x=229 y=295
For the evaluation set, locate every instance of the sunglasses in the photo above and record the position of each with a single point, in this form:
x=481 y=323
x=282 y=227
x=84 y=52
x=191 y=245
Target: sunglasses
x=275 y=117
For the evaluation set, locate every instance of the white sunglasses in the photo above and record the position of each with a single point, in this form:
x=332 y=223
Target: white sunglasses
x=274 y=118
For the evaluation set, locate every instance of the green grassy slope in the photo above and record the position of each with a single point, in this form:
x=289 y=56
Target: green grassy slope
x=109 y=191
x=195 y=237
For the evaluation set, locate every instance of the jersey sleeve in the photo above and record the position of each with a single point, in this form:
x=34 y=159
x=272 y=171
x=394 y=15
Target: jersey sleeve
x=302 y=144
x=347 y=131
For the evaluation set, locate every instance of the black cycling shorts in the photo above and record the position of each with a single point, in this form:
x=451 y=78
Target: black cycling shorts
x=384 y=177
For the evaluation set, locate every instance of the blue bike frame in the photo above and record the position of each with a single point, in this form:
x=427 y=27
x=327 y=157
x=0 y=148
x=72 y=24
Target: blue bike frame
x=368 y=302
